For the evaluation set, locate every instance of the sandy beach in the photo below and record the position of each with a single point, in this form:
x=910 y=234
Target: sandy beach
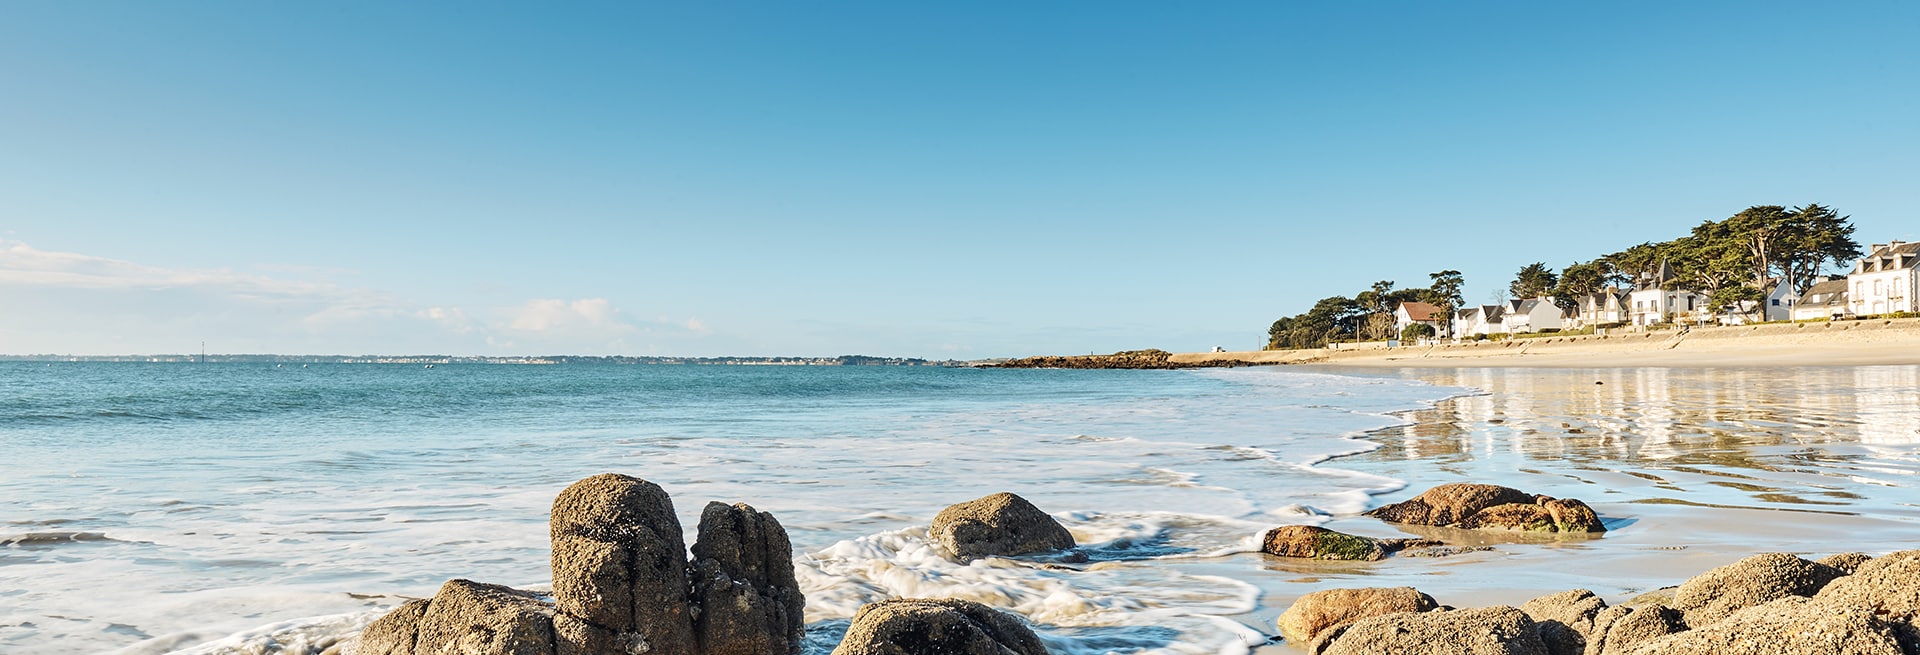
x=1844 y=343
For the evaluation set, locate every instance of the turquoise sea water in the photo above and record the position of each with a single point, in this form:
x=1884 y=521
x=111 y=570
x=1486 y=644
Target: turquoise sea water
x=147 y=508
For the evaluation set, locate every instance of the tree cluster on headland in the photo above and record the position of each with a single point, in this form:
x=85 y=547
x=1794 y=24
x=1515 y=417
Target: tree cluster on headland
x=1732 y=262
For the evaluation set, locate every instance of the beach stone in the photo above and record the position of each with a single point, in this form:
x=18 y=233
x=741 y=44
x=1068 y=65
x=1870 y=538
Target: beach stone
x=1001 y=524
x=1565 y=619
x=466 y=617
x=1846 y=562
x=943 y=626
x=1315 y=615
x=1491 y=507
x=744 y=585
x=1889 y=585
x=1485 y=631
x=1320 y=543
x=1618 y=630
x=1449 y=504
x=1756 y=580
x=1787 y=625
x=620 y=566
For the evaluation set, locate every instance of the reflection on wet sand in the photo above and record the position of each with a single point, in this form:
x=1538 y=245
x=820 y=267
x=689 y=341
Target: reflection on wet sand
x=1838 y=439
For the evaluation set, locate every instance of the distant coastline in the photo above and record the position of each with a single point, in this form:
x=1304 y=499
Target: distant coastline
x=843 y=360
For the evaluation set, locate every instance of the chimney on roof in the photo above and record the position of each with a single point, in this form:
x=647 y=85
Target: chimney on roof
x=1876 y=247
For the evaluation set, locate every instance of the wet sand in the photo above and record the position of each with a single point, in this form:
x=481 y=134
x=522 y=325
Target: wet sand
x=1691 y=468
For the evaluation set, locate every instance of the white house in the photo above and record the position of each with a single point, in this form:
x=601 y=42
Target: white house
x=1884 y=281
x=1653 y=304
x=1411 y=312
x=1600 y=308
x=1778 y=304
x=1485 y=319
x=1533 y=315
x=1825 y=299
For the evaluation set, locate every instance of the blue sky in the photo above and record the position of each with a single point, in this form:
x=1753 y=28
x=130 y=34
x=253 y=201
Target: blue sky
x=982 y=179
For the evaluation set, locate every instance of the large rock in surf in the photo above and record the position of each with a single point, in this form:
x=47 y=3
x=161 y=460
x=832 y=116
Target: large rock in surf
x=1316 y=616
x=1788 y=625
x=1488 y=506
x=1485 y=631
x=1756 y=580
x=1001 y=524
x=620 y=587
x=619 y=562
x=743 y=584
x=1314 y=542
x=1565 y=620
x=937 y=627
x=1890 y=586
x=465 y=617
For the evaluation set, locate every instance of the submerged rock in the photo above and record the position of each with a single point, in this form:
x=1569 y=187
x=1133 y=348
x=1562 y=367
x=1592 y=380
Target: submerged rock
x=619 y=562
x=465 y=617
x=1315 y=542
x=1788 y=625
x=1001 y=524
x=1486 y=506
x=743 y=584
x=1485 y=631
x=1756 y=580
x=1316 y=615
x=1565 y=620
x=937 y=627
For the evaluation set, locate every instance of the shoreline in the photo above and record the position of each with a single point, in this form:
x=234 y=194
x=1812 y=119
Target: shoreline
x=1845 y=343
x=1656 y=462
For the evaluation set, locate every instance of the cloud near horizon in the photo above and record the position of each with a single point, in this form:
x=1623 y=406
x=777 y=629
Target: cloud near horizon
x=73 y=303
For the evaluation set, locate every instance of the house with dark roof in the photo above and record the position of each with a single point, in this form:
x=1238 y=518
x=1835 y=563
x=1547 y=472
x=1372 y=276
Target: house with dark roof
x=1485 y=319
x=1533 y=315
x=1825 y=299
x=1884 y=281
x=1654 y=303
x=1600 y=308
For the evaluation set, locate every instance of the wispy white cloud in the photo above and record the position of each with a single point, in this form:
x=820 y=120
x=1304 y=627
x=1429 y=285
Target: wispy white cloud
x=72 y=302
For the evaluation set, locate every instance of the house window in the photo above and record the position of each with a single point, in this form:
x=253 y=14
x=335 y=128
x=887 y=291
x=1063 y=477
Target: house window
x=1776 y=302
x=1689 y=303
x=1876 y=287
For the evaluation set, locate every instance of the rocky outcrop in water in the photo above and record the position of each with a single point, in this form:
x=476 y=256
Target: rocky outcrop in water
x=621 y=585
x=1314 y=542
x=937 y=627
x=1136 y=359
x=1002 y=524
x=1491 y=507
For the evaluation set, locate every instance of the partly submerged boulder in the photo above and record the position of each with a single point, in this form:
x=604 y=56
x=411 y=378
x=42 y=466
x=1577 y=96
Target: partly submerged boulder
x=1756 y=580
x=1315 y=542
x=1315 y=615
x=1787 y=625
x=465 y=617
x=1449 y=504
x=937 y=627
x=1487 y=506
x=743 y=584
x=620 y=564
x=1565 y=620
x=1001 y=524
x=1485 y=631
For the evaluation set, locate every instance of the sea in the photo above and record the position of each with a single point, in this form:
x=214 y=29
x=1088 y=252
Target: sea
x=163 y=507
x=151 y=508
